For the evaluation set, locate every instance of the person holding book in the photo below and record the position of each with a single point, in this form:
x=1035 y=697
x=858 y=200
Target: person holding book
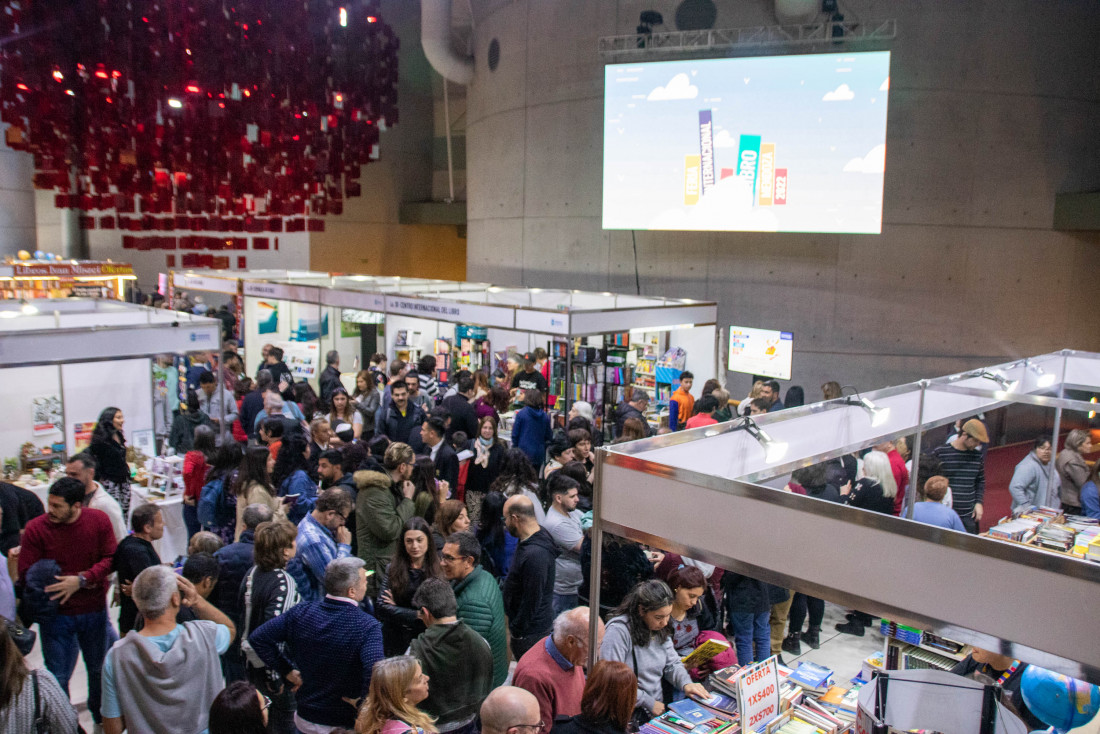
x=607 y=703
x=688 y=586
x=639 y=634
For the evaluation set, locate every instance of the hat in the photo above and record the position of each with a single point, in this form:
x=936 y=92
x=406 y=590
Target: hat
x=344 y=432
x=976 y=429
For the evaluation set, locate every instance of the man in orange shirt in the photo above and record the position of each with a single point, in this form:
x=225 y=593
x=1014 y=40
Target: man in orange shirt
x=683 y=399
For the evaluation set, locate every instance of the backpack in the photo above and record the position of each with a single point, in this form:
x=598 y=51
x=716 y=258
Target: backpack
x=213 y=508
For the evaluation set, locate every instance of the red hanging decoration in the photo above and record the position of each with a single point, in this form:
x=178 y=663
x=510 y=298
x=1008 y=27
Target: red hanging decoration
x=198 y=107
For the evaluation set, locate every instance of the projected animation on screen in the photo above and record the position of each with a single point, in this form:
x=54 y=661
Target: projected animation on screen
x=780 y=144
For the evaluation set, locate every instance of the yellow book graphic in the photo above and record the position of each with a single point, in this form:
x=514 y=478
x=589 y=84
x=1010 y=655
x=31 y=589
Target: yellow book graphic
x=691 y=180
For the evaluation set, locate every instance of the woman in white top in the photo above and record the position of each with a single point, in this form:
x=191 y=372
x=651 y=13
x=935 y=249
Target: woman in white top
x=343 y=411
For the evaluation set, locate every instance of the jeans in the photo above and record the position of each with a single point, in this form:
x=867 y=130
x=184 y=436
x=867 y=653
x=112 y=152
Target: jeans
x=280 y=715
x=565 y=602
x=800 y=605
x=66 y=636
x=191 y=519
x=751 y=634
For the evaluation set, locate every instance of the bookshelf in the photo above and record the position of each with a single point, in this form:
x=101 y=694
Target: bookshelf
x=442 y=351
x=909 y=648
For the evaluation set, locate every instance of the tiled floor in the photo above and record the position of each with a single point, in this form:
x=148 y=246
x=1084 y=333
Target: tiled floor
x=844 y=654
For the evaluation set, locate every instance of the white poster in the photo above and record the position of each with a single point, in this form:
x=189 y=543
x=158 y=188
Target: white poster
x=46 y=414
x=301 y=357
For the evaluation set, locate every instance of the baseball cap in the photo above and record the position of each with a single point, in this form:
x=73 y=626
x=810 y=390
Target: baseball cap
x=976 y=429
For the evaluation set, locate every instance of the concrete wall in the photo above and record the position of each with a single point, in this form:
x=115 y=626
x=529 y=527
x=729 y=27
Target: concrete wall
x=994 y=107
x=16 y=201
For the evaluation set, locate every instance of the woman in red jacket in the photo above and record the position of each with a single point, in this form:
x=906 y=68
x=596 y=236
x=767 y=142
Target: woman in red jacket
x=196 y=462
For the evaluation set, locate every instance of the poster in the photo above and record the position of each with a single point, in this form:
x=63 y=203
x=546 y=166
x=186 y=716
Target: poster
x=301 y=358
x=349 y=329
x=267 y=317
x=46 y=414
x=82 y=436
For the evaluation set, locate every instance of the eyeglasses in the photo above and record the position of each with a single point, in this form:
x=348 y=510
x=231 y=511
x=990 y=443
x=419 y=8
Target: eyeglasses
x=537 y=727
x=451 y=559
x=267 y=703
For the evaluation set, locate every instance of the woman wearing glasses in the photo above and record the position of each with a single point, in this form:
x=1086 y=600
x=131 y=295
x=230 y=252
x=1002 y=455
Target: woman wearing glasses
x=397 y=685
x=239 y=709
x=640 y=635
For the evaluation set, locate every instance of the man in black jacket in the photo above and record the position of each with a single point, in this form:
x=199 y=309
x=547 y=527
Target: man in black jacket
x=463 y=415
x=400 y=417
x=135 y=554
x=529 y=585
x=330 y=378
x=432 y=431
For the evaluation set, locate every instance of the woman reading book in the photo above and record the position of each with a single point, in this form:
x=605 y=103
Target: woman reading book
x=640 y=635
x=688 y=586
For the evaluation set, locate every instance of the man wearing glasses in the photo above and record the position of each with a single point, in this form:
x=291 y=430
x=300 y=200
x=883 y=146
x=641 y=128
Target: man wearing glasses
x=479 y=602
x=322 y=538
x=511 y=710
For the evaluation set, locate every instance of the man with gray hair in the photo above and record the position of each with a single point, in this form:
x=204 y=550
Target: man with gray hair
x=454 y=656
x=331 y=646
x=552 y=671
x=330 y=378
x=510 y=710
x=635 y=408
x=165 y=677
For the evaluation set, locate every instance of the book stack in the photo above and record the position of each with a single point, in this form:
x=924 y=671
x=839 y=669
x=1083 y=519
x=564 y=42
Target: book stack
x=941 y=643
x=873 y=664
x=1021 y=530
x=912 y=635
x=1093 y=552
x=1055 y=537
x=1085 y=535
x=919 y=658
x=725 y=681
x=804 y=719
x=843 y=703
x=812 y=677
x=688 y=717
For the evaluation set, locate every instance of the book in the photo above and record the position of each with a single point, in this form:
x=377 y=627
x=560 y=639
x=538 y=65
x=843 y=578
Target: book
x=704 y=653
x=811 y=676
x=690 y=710
x=719 y=701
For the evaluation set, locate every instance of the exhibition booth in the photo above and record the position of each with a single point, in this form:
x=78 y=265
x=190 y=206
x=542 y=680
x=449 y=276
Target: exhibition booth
x=64 y=361
x=56 y=278
x=1011 y=595
x=599 y=344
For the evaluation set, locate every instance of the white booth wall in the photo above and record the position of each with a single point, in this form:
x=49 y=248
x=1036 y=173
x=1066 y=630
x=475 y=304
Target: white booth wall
x=89 y=387
x=288 y=316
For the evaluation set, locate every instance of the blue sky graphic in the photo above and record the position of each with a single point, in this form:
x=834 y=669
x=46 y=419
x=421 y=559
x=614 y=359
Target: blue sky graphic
x=826 y=114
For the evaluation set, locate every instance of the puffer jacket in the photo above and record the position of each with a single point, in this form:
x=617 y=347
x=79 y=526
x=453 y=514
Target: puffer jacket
x=481 y=607
x=379 y=517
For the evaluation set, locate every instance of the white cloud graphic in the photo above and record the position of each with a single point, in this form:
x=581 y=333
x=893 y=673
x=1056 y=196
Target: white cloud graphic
x=873 y=162
x=885 y=86
x=843 y=93
x=679 y=87
x=724 y=140
x=727 y=206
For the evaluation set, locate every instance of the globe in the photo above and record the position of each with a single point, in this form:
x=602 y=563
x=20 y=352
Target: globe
x=1062 y=702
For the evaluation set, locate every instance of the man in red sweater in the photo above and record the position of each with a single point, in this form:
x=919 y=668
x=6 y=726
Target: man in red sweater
x=82 y=543
x=552 y=669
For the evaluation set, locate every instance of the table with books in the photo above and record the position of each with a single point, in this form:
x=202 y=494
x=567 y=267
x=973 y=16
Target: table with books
x=1047 y=529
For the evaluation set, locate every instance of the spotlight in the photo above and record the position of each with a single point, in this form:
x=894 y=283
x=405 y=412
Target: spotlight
x=1006 y=384
x=774 y=450
x=343 y=17
x=175 y=103
x=879 y=416
x=1042 y=377
x=28 y=308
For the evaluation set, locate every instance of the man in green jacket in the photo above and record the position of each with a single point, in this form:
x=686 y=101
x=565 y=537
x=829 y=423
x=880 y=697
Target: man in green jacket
x=479 y=602
x=382 y=507
x=452 y=655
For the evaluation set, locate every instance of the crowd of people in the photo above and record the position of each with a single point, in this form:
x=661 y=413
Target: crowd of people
x=377 y=560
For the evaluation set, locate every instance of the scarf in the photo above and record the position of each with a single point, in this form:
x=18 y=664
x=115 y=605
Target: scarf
x=483 y=447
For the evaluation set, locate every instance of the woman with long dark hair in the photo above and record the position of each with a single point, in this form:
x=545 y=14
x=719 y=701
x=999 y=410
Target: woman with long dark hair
x=607 y=703
x=108 y=446
x=19 y=687
x=291 y=475
x=238 y=709
x=343 y=411
x=639 y=635
x=367 y=398
x=415 y=560
x=223 y=469
x=496 y=542
x=493 y=403
x=484 y=468
x=517 y=476
x=452 y=518
x=252 y=486
x=426 y=497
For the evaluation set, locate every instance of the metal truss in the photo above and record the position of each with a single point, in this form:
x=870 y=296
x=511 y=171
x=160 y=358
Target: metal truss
x=832 y=32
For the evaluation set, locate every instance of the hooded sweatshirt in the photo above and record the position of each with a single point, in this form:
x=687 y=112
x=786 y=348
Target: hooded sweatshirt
x=1029 y=485
x=379 y=517
x=529 y=586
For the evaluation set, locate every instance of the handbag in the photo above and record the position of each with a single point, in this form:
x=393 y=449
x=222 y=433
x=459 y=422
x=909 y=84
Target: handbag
x=22 y=637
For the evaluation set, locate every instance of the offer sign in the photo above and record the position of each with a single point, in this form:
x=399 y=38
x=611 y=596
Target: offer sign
x=758 y=693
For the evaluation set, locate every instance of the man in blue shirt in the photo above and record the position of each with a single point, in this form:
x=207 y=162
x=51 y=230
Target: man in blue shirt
x=322 y=538
x=932 y=511
x=165 y=677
